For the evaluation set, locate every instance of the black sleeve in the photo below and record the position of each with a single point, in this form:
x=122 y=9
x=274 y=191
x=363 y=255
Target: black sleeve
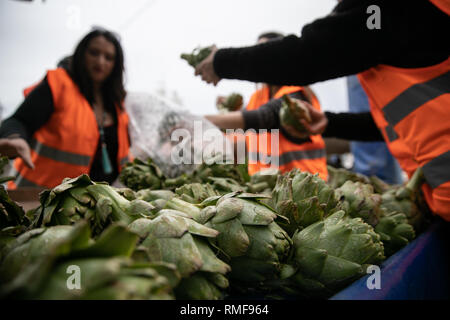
x=352 y=126
x=341 y=44
x=267 y=117
x=348 y=126
x=32 y=114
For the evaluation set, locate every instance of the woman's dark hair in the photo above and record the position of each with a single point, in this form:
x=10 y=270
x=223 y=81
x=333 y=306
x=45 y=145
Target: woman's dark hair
x=113 y=89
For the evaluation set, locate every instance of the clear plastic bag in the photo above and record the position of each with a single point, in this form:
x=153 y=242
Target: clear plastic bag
x=175 y=139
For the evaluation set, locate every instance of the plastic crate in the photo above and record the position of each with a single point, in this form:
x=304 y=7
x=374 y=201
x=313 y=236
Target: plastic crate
x=420 y=271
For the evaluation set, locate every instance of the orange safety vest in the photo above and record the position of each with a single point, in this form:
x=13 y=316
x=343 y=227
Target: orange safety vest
x=308 y=156
x=410 y=107
x=27 y=90
x=65 y=146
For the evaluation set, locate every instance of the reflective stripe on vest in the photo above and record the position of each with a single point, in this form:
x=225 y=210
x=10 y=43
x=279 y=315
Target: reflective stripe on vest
x=59 y=155
x=290 y=156
x=413 y=98
x=437 y=171
x=20 y=181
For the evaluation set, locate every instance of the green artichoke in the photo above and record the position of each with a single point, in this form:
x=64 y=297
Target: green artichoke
x=303 y=198
x=80 y=198
x=395 y=232
x=249 y=239
x=3 y=162
x=263 y=181
x=36 y=266
x=218 y=168
x=176 y=238
x=330 y=254
x=197 y=55
x=173 y=183
x=127 y=193
x=13 y=219
x=408 y=200
x=233 y=102
x=337 y=177
x=359 y=200
x=379 y=186
x=292 y=111
x=139 y=175
x=195 y=192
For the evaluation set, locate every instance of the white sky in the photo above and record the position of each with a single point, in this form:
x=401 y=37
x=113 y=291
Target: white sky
x=34 y=36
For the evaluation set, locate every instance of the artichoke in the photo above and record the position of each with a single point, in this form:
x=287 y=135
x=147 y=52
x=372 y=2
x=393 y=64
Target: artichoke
x=263 y=181
x=292 y=111
x=359 y=200
x=196 y=192
x=197 y=55
x=174 y=237
x=303 y=198
x=330 y=254
x=225 y=185
x=249 y=238
x=173 y=183
x=13 y=219
x=127 y=193
x=395 y=232
x=3 y=162
x=218 y=167
x=139 y=175
x=152 y=195
x=233 y=102
x=80 y=198
x=337 y=177
x=379 y=186
x=36 y=266
x=408 y=200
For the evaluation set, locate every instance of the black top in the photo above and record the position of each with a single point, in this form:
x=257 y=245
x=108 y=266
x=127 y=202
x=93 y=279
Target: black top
x=37 y=109
x=413 y=34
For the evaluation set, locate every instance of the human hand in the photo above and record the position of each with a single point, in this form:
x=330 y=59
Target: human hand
x=206 y=68
x=317 y=125
x=220 y=100
x=16 y=147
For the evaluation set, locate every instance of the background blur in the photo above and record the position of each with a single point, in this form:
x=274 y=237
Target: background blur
x=36 y=35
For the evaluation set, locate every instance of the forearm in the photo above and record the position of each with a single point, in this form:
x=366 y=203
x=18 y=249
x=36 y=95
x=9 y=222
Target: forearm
x=13 y=128
x=340 y=44
x=232 y=120
x=352 y=126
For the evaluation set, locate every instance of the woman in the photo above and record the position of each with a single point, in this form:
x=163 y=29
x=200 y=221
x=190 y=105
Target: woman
x=73 y=122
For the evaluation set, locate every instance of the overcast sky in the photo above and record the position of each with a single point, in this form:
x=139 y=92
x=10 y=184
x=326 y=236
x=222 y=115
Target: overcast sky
x=34 y=36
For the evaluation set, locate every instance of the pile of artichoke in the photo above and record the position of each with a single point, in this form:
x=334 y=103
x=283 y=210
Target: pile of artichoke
x=211 y=234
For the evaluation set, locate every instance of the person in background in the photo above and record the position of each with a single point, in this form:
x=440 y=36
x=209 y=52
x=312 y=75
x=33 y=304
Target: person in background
x=73 y=122
x=370 y=158
x=402 y=62
x=305 y=154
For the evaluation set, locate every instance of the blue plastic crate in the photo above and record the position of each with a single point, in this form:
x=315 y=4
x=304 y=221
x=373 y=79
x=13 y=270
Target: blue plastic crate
x=420 y=271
